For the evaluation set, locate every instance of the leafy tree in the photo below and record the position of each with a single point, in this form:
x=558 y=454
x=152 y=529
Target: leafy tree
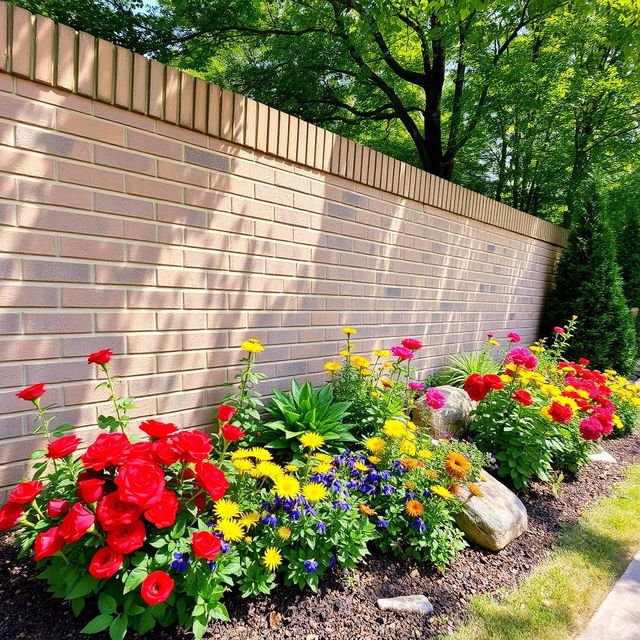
x=588 y=285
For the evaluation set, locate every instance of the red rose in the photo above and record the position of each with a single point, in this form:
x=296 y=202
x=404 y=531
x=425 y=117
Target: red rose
x=411 y=343
x=91 y=490
x=140 y=482
x=590 y=428
x=167 y=450
x=109 y=449
x=26 y=492
x=583 y=361
x=112 y=511
x=560 y=413
x=62 y=447
x=105 y=563
x=32 y=392
x=127 y=537
x=142 y=451
x=163 y=513
x=231 y=433
x=493 y=382
x=100 y=357
x=156 y=587
x=523 y=397
x=211 y=479
x=225 y=413
x=605 y=418
x=57 y=508
x=200 y=501
x=10 y=515
x=76 y=523
x=206 y=545
x=157 y=429
x=475 y=387
x=196 y=445
x=47 y=543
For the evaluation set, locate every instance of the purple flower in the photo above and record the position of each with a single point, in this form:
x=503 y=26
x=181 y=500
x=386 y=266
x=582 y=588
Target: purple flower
x=310 y=511
x=181 y=562
x=388 y=490
x=212 y=566
x=419 y=525
x=271 y=519
x=333 y=562
x=310 y=566
x=416 y=386
x=435 y=399
x=381 y=522
x=321 y=527
x=295 y=514
x=341 y=504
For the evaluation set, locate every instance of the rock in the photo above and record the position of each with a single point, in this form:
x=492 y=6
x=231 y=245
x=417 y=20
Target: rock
x=452 y=419
x=406 y=604
x=494 y=520
x=274 y=619
x=600 y=455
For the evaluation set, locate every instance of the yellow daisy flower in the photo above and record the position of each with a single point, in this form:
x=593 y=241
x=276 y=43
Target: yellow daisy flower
x=314 y=492
x=441 y=491
x=284 y=532
x=231 y=530
x=271 y=558
x=394 y=429
x=242 y=465
x=260 y=453
x=382 y=353
x=311 y=440
x=249 y=519
x=425 y=454
x=331 y=367
x=350 y=331
x=226 y=509
x=252 y=346
x=361 y=467
x=286 y=487
x=375 y=445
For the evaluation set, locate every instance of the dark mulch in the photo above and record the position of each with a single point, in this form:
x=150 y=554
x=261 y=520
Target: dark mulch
x=345 y=606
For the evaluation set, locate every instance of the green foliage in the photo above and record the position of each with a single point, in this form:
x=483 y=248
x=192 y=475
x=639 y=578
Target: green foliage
x=588 y=285
x=304 y=409
x=629 y=254
x=462 y=365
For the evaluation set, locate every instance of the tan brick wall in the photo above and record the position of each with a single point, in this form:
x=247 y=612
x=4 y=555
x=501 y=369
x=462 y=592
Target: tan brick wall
x=175 y=220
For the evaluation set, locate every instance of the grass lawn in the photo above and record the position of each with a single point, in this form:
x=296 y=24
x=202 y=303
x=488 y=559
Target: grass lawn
x=561 y=595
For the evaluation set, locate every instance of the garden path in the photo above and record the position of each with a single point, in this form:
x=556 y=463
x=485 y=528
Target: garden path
x=618 y=617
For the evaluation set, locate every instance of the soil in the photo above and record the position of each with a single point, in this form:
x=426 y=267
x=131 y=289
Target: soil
x=345 y=606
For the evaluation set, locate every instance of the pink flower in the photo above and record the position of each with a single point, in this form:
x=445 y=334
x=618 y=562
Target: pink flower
x=411 y=343
x=591 y=428
x=435 y=399
x=490 y=335
x=416 y=386
x=522 y=357
x=513 y=336
x=558 y=329
x=402 y=352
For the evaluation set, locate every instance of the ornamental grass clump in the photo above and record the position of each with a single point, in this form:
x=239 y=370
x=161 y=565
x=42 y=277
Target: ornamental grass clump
x=543 y=413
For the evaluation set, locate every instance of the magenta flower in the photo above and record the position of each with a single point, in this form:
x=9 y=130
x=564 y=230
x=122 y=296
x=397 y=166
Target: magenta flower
x=402 y=352
x=558 y=329
x=435 y=399
x=416 y=386
x=522 y=357
x=513 y=336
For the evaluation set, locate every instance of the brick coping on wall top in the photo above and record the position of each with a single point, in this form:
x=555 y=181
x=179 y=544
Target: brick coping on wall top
x=38 y=48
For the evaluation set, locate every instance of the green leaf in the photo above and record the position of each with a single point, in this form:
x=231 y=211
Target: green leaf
x=106 y=603
x=134 y=579
x=82 y=588
x=118 y=628
x=98 y=624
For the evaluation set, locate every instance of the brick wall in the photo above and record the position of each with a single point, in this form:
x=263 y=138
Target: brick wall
x=147 y=211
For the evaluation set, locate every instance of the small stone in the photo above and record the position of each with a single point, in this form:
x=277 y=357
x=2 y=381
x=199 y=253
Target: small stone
x=274 y=619
x=406 y=604
x=312 y=636
x=602 y=456
x=415 y=574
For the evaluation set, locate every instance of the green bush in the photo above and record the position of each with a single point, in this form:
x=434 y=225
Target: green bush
x=462 y=365
x=302 y=410
x=588 y=285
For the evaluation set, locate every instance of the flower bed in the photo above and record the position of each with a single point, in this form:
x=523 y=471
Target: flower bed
x=155 y=531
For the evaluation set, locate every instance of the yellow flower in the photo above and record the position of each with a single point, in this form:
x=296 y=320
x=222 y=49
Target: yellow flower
x=536 y=349
x=231 y=530
x=292 y=468
x=545 y=412
x=430 y=473
x=248 y=539
x=611 y=372
x=314 y=492
x=494 y=342
x=382 y=353
x=331 y=367
x=242 y=465
x=260 y=453
x=373 y=459
x=249 y=519
x=375 y=445
x=311 y=440
x=361 y=467
x=350 y=331
x=441 y=491
x=344 y=353
x=425 y=454
x=322 y=457
x=394 y=429
x=375 y=394
x=365 y=372
x=360 y=362
x=284 y=533
x=252 y=346
x=506 y=379
x=271 y=558
x=350 y=345
x=286 y=487
x=240 y=453
x=483 y=478
x=407 y=447
x=550 y=390
x=323 y=467
x=387 y=365
x=226 y=509
x=475 y=490
x=511 y=366
x=268 y=469
x=617 y=422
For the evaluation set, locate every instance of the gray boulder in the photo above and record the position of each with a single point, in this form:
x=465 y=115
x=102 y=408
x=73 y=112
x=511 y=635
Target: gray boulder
x=494 y=520
x=452 y=419
x=406 y=604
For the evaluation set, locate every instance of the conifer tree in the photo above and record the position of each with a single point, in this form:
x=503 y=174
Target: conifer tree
x=588 y=284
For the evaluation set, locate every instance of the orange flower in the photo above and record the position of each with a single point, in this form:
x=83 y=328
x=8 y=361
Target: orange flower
x=414 y=508
x=456 y=465
x=367 y=510
x=410 y=464
x=430 y=474
x=454 y=487
x=475 y=490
